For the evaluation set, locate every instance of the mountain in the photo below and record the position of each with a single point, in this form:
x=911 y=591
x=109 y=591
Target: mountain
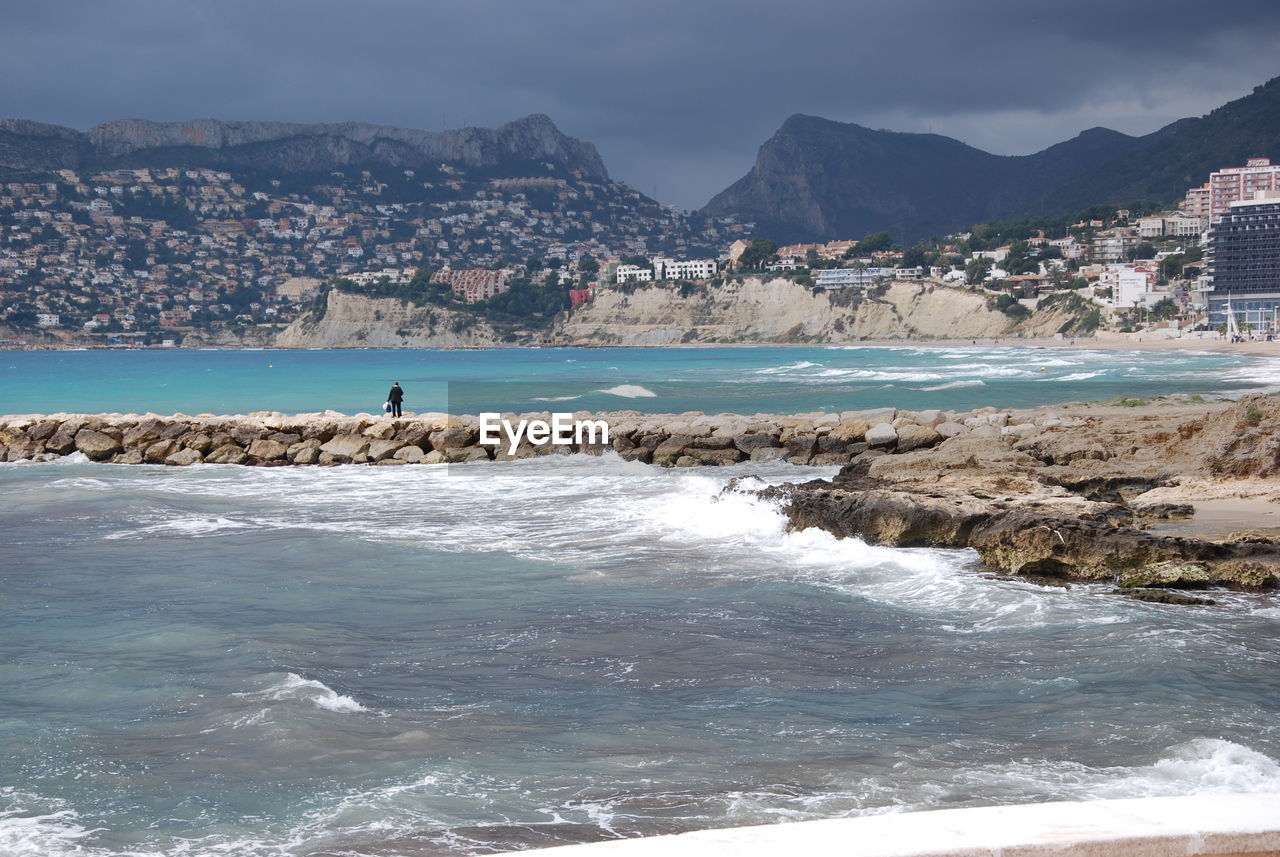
x=819 y=179
x=1181 y=155
x=27 y=146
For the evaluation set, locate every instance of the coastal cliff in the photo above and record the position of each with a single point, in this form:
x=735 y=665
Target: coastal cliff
x=752 y=310
x=779 y=310
x=354 y=321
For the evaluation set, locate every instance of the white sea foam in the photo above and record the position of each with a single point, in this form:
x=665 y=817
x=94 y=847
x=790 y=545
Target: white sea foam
x=184 y=524
x=952 y=385
x=1079 y=376
x=319 y=694
x=555 y=398
x=629 y=391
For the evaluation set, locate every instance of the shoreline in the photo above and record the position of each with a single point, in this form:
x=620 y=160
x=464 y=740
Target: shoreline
x=1169 y=495
x=1114 y=342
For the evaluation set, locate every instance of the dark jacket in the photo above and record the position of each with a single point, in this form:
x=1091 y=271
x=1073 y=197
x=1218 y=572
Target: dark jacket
x=396 y=395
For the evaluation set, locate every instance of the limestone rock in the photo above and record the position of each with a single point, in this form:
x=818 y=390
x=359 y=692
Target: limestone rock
x=380 y=450
x=671 y=449
x=346 y=447
x=267 y=450
x=409 y=454
x=183 y=457
x=881 y=434
x=158 y=452
x=912 y=436
x=453 y=437
x=96 y=445
x=227 y=454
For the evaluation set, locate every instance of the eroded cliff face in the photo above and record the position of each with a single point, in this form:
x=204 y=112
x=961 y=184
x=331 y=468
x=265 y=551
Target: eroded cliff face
x=779 y=310
x=355 y=321
x=749 y=311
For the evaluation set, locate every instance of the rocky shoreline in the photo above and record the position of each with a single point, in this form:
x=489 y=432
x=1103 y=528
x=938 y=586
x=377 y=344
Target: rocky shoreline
x=1079 y=492
x=1092 y=494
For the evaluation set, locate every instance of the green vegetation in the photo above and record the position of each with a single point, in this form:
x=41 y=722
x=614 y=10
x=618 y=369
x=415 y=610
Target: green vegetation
x=757 y=255
x=523 y=301
x=1252 y=416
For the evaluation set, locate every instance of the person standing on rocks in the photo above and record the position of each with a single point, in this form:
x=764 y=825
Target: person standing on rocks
x=395 y=397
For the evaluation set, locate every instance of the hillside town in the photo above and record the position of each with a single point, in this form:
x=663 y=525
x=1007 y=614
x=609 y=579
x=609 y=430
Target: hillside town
x=147 y=256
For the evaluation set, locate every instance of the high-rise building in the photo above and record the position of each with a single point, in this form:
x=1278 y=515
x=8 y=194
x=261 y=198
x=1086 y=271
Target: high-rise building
x=1236 y=184
x=1243 y=263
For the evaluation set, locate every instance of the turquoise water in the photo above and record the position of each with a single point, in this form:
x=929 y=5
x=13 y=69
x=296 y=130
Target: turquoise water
x=429 y=660
x=711 y=380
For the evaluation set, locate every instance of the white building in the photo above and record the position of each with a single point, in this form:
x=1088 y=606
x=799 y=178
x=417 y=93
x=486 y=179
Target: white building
x=47 y=319
x=1131 y=285
x=839 y=278
x=691 y=269
x=633 y=274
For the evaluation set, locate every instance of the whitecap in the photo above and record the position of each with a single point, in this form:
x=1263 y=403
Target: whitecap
x=952 y=385
x=630 y=391
x=319 y=694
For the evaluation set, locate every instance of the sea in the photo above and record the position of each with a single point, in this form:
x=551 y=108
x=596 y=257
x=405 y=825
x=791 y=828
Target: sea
x=431 y=660
x=741 y=380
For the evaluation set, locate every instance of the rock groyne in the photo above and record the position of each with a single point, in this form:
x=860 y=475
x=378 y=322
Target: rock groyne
x=268 y=438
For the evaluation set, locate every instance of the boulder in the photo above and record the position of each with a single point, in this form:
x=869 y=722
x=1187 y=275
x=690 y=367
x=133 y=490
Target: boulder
x=412 y=433
x=462 y=454
x=244 y=435
x=144 y=433
x=345 y=447
x=452 y=437
x=409 y=454
x=850 y=432
x=96 y=445
x=686 y=461
x=755 y=440
x=768 y=453
x=716 y=457
x=930 y=417
x=830 y=459
x=129 y=456
x=267 y=450
x=950 y=429
x=800 y=445
x=227 y=454
x=158 y=452
x=381 y=430
x=670 y=450
x=304 y=453
x=183 y=457
x=881 y=435
x=383 y=449
x=912 y=436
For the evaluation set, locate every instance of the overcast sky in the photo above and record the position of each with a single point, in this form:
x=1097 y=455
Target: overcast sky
x=676 y=94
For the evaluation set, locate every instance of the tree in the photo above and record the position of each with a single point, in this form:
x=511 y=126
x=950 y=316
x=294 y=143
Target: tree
x=876 y=242
x=1145 y=250
x=977 y=270
x=758 y=254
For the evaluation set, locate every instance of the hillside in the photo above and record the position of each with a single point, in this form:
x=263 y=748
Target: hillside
x=816 y=179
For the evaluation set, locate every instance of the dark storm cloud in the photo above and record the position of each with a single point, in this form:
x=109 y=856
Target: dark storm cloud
x=677 y=94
